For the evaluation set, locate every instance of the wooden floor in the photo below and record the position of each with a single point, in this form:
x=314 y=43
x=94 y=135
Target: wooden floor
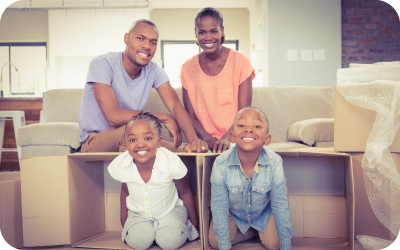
x=31 y=107
x=357 y=246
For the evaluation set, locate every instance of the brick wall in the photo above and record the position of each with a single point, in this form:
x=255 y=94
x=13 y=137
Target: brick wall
x=370 y=32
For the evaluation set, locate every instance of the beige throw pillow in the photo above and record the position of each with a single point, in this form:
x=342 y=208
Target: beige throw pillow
x=312 y=131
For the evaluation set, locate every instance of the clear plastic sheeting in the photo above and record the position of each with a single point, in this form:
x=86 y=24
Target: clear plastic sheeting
x=376 y=243
x=378 y=88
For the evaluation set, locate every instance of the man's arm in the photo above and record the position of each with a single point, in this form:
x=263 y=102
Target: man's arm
x=171 y=101
x=114 y=115
x=108 y=105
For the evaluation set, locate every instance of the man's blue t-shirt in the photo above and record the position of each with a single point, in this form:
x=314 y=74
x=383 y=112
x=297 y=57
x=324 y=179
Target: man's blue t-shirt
x=130 y=94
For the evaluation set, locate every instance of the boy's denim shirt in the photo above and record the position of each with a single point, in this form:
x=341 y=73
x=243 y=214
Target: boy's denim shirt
x=251 y=201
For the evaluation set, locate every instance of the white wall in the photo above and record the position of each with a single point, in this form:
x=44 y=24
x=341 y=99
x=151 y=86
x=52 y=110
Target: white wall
x=302 y=25
x=24 y=26
x=76 y=36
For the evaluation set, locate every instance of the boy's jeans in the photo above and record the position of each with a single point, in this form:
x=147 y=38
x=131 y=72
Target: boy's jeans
x=269 y=238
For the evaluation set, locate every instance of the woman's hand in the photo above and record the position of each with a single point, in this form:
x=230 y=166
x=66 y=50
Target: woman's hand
x=221 y=145
x=196 y=146
x=211 y=141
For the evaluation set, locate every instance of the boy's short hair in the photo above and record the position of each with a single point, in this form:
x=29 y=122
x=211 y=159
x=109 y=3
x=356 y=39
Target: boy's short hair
x=259 y=110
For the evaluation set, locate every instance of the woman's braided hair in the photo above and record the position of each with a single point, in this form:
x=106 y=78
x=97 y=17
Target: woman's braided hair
x=146 y=116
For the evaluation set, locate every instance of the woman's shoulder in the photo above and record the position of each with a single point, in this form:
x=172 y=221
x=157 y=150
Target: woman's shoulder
x=237 y=56
x=191 y=62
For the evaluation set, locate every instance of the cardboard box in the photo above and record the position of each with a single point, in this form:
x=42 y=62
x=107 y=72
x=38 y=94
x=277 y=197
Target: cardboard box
x=353 y=125
x=366 y=222
x=10 y=209
x=72 y=199
x=321 y=199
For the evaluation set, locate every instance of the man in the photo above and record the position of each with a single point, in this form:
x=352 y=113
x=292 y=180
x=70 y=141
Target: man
x=117 y=88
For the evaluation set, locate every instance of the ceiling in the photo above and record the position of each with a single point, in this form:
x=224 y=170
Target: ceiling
x=152 y=4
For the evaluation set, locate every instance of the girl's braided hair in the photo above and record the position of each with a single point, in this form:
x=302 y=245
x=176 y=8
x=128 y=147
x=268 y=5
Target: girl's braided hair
x=146 y=116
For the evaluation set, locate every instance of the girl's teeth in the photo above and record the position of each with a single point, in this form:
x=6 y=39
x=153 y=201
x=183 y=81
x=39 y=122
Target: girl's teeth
x=142 y=152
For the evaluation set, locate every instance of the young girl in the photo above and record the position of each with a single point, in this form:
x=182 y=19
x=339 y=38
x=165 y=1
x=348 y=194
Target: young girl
x=217 y=83
x=152 y=178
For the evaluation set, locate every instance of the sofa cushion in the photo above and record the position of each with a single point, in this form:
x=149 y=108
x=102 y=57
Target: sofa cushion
x=49 y=133
x=312 y=131
x=286 y=146
x=61 y=105
x=287 y=105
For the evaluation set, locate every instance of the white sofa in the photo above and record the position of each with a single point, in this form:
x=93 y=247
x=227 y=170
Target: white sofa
x=298 y=117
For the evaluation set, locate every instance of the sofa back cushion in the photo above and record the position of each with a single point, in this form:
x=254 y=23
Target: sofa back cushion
x=287 y=105
x=61 y=105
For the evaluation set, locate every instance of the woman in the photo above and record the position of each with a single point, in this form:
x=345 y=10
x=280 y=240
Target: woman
x=216 y=83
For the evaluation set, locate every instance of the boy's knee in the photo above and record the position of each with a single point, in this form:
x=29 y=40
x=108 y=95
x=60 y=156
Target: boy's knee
x=140 y=236
x=170 y=238
x=212 y=238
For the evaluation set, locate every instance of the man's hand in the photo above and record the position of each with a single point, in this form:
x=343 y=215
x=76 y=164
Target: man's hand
x=174 y=131
x=196 y=146
x=221 y=145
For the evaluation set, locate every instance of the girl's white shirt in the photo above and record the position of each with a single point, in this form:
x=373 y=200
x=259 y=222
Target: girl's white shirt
x=159 y=195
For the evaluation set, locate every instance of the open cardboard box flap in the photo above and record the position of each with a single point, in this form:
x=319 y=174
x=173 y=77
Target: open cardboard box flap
x=63 y=200
x=353 y=126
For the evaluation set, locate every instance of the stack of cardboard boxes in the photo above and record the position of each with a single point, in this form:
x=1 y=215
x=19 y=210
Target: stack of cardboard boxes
x=71 y=199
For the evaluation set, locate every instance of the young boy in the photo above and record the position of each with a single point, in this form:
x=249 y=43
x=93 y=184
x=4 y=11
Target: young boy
x=249 y=188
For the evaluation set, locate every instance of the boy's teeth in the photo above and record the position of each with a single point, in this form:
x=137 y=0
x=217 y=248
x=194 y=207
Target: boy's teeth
x=144 y=55
x=248 y=139
x=142 y=152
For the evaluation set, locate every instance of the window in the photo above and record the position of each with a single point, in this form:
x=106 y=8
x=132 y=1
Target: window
x=23 y=69
x=175 y=53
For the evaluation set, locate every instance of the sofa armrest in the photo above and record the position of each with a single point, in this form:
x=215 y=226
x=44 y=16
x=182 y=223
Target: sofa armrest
x=49 y=133
x=312 y=131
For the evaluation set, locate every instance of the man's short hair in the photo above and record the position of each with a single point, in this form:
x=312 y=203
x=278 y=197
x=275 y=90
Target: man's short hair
x=142 y=21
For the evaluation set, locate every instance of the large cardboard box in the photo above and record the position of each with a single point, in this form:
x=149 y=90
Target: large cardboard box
x=73 y=200
x=366 y=222
x=321 y=200
x=353 y=125
x=10 y=208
